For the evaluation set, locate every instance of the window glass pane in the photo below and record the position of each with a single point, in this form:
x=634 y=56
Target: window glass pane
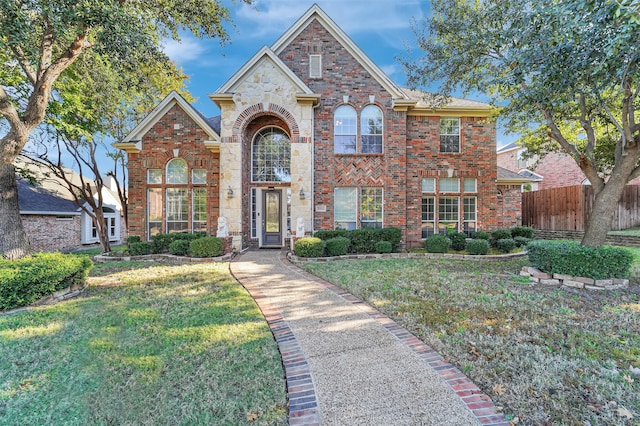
x=449 y=135
x=470 y=185
x=271 y=156
x=469 y=215
x=177 y=210
x=199 y=212
x=371 y=130
x=429 y=185
x=346 y=206
x=428 y=216
x=448 y=214
x=449 y=185
x=177 y=171
x=154 y=176
x=199 y=176
x=154 y=212
x=371 y=208
x=344 y=130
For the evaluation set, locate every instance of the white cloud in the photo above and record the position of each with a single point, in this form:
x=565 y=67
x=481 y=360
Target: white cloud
x=186 y=50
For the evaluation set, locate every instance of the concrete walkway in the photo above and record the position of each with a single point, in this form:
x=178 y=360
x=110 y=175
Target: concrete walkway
x=348 y=364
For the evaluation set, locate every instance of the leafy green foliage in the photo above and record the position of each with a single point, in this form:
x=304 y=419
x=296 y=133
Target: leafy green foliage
x=478 y=246
x=521 y=241
x=364 y=240
x=25 y=281
x=384 y=247
x=523 y=231
x=160 y=242
x=309 y=247
x=505 y=245
x=481 y=235
x=437 y=243
x=179 y=247
x=206 y=247
x=458 y=241
x=140 y=249
x=331 y=233
x=337 y=246
x=499 y=234
x=569 y=257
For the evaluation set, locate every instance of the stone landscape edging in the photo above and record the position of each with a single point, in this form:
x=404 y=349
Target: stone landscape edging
x=557 y=280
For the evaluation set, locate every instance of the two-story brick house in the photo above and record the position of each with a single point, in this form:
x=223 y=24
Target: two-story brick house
x=313 y=134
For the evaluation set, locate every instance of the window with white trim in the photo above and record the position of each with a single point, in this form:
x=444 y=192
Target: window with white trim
x=199 y=176
x=177 y=210
x=448 y=214
x=470 y=185
x=154 y=212
x=449 y=185
x=271 y=156
x=441 y=210
x=345 y=130
x=428 y=216
x=177 y=172
x=371 y=130
x=449 y=135
x=199 y=210
x=371 y=207
x=345 y=211
x=154 y=176
x=469 y=215
x=353 y=135
x=315 y=66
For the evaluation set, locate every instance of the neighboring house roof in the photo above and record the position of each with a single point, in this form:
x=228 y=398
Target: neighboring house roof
x=507 y=177
x=508 y=147
x=132 y=142
x=49 y=195
x=530 y=174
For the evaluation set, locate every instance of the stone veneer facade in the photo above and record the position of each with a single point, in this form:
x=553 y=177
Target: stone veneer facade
x=275 y=89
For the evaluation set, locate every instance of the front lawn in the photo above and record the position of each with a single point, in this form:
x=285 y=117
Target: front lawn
x=146 y=343
x=546 y=356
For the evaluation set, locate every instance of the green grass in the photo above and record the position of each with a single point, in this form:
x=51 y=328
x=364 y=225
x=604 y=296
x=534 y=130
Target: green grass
x=146 y=343
x=545 y=355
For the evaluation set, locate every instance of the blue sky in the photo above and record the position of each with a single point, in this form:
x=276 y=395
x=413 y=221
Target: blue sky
x=381 y=28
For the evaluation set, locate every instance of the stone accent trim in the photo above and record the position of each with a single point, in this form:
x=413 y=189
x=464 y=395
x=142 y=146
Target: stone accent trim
x=258 y=110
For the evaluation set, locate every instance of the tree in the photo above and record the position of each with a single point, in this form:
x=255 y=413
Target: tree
x=39 y=42
x=565 y=72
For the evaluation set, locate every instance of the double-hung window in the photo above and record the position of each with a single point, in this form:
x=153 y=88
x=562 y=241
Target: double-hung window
x=446 y=207
x=358 y=208
x=449 y=135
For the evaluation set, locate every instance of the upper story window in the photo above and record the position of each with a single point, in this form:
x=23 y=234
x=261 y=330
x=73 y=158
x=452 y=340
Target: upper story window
x=449 y=135
x=371 y=130
x=352 y=136
x=271 y=156
x=315 y=66
x=177 y=171
x=344 y=130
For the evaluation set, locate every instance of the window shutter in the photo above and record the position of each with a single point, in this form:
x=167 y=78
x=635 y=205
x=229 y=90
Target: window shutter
x=315 y=66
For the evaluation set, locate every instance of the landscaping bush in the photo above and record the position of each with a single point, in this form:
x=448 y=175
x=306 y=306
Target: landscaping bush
x=364 y=240
x=133 y=239
x=25 y=281
x=505 y=245
x=331 y=233
x=384 y=247
x=309 y=247
x=179 y=247
x=499 y=234
x=337 y=246
x=160 y=242
x=478 y=246
x=481 y=235
x=392 y=235
x=458 y=241
x=206 y=247
x=437 y=244
x=521 y=241
x=523 y=231
x=571 y=258
x=139 y=249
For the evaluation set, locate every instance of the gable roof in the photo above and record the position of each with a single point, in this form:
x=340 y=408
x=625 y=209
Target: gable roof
x=250 y=65
x=454 y=104
x=509 y=147
x=132 y=141
x=507 y=177
x=316 y=13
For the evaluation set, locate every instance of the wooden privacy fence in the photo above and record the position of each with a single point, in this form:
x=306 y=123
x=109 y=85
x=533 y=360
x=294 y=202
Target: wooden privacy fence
x=569 y=208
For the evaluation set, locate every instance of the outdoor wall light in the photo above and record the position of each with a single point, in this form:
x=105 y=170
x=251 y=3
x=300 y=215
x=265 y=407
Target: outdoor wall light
x=230 y=192
x=301 y=194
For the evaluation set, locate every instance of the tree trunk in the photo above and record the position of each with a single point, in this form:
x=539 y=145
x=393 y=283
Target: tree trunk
x=605 y=204
x=14 y=243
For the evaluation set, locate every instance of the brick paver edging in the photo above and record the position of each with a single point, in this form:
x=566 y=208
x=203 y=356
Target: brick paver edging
x=478 y=402
x=301 y=391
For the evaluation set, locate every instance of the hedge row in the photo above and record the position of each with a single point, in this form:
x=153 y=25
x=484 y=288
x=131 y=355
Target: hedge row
x=364 y=240
x=25 y=281
x=571 y=258
x=503 y=240
x=180 y=244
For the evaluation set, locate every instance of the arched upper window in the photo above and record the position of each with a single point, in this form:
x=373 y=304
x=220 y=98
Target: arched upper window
x=345 y=130
x=177 y=171
x=271 y=156
x=371 y=130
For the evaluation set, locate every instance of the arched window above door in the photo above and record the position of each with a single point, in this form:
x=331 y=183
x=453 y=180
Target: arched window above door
x=271 y=156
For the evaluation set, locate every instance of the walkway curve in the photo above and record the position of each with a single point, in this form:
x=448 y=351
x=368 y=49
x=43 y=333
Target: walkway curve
x=347 y=363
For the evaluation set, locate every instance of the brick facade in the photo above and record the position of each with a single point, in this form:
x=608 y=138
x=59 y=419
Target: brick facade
x=276 y=89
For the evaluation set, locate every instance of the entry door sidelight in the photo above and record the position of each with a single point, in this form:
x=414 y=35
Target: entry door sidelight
x=272 y=226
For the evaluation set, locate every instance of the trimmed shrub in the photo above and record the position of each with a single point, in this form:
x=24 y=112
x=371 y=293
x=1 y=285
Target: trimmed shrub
x=160 y=242
x=139 y=249
x=206 y=247
x=505 y=245
x=331 y=233
x=384 y=247
x=499 y=234
x=481 y=235
x=437 y=244
x=309 y=247
x=521 y=241
x=133 y=239
x=179 y=247
x=523 y=231
x=478 y=246
x=458 y=241
x=25 y=281
x=571 y=258
x=392 y=235
x=337 y=246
